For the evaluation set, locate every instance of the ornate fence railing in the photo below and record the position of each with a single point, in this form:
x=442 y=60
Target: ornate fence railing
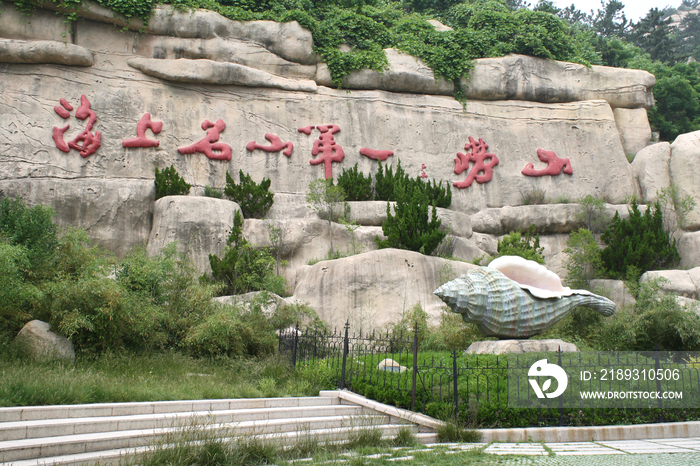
x=473 y=389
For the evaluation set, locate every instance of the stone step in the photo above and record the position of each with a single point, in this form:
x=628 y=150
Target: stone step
x=114 y=456
x=14 y=450
x=29 y=413
x=18 y=430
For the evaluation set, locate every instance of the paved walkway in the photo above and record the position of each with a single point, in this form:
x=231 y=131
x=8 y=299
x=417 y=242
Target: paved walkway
x=657 y=452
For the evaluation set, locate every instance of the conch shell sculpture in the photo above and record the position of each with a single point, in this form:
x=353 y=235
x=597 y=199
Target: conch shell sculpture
x=516 y=298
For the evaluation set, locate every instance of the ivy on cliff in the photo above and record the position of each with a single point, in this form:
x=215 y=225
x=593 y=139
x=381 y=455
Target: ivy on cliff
x=482 y=29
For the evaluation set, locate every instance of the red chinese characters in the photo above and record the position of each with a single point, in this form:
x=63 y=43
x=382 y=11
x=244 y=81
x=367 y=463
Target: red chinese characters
x=276 y=145
x=482 y=171
x=86 y=143
x=422 y=171
x=209 y=146
x=326 y=146
x=141 y=140
x=376 y=154
x=555 y=165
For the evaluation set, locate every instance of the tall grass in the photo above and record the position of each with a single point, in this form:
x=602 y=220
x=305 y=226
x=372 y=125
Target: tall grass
x=164 y=376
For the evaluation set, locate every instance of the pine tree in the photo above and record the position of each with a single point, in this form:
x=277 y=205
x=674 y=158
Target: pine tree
x=254 y=199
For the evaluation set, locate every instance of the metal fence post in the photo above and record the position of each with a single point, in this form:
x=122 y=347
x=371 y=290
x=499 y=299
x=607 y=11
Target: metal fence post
x=454 y=383
x=415 y=367
x=296 y=344
x=561 y=398
x=346 y=348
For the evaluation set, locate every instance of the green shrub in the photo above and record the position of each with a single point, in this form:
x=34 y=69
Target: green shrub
x=243 y=267
x=254 y=199
x=213 y=192
x=583 y=262
x=170 y=183
x=231 y=332
x=592 y=214
x=534 y=197
x=640 y=241
x=18 y=298
x=355 y=185
x=526 y=245
x=410 y=226
x=326 y=199
x=32 y=228
x=385 y=181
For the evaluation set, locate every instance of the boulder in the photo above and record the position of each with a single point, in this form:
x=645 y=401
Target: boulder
x=485 y=242
x=44 y=51
x=389 y=365
x=554 y=256
x=116 y=213
x=615 y=290
x=269 y=302
x=44 y=25
x=633 y=125
x=547 y=218
x=40 y=342
x=373 y=213
x=406 y=73
x=222 y=50
x=685 y=154
x=465 y=249
x=520 y=346
x=689 y=249
x=204 y=71
x=200 y=225
x=309 y=240
x=679 y=282
x=522 y=77
x=375 y=288
x=651 y=169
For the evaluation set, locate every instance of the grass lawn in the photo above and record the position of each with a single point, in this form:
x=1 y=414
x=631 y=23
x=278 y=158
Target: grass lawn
x=150 y=377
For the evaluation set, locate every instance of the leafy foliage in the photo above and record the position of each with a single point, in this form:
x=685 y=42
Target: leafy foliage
x=526 y=245
x=213 y=192
x=410 y=226
x=583 y=262
x=386 y=181
x=640 y=242
x=243 y=267
x=169 y=183
x=254 y=199
x=326 y=199
x=355 y=186
x=592 y=214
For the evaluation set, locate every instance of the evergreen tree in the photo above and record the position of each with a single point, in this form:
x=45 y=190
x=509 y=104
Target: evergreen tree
x=254 y=199
x=169 y=183
x=639 y=242
x=355 y=185
x=410 y=226
x=653 y=34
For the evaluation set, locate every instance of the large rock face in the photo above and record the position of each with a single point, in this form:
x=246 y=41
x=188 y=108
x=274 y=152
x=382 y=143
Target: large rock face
x=685 y=154
x=651 y=168
x=200 y=225
x=81 y=109
x=375 y=288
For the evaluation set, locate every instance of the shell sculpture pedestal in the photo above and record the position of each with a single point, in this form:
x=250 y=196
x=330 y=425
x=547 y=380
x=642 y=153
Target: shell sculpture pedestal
x=504 y=308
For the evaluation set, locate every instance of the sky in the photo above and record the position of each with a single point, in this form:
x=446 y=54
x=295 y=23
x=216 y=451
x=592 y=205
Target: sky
x=634 y=9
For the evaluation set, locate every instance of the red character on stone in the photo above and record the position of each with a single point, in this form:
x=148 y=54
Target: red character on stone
x=209 y=144
x=86 y=143
x=276 y=145
x=325 y=145
x=141 y=140
x=476 y=152
x=422 y=171
x=555 y=165
x=376 y=154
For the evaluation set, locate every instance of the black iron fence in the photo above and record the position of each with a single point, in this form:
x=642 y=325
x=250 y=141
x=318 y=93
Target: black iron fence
x=473 y=389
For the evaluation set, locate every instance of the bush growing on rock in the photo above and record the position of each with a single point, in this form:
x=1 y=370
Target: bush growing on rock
x=170 y=183
x=410 y=226
x=639 y=242
x=355 y=185
x=243 y=267
x=254 y=199
x=526 y=245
